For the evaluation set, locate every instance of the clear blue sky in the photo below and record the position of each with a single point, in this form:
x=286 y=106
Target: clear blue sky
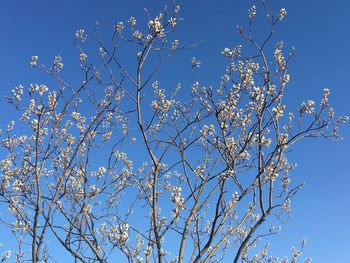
x=319 y=30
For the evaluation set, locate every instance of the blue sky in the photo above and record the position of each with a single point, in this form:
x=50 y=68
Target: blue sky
x=319 y=30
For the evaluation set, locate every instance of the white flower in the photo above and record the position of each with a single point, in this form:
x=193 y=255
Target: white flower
x=34 y=61
x=102 y=52
x=18 y=92
x=106 y=136
x=174 y=44
x=176 y=9
x=195 y=62
x=101 y=171
x=252 y=12
x=132 y=21
x=172 y=21
x=157 y=25
x=83 y=57
x=10 y=126
x=57 y=63
x=307 y=107
x=286 y=206
x=119 y=26
x=282 y=13
x=227 y=52
x=81 y=34
x=137 y=34
x=125 y=129
x=278 y=110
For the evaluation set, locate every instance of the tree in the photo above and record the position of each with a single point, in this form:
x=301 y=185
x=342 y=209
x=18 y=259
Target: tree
x=209 y=171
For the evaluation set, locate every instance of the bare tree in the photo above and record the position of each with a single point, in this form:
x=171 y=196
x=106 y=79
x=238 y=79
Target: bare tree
x=209 y=172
